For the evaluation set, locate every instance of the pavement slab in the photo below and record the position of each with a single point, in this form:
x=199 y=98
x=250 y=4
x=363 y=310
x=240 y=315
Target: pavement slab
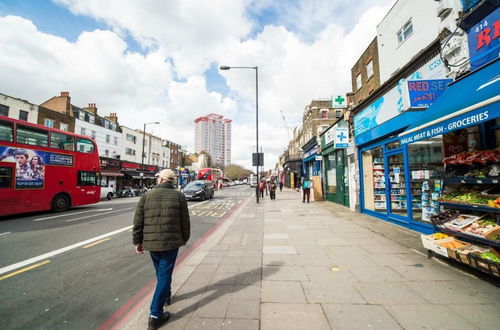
x=388 y=293
x=243 y=309
x=282 y=292
x=279 y=249
x=293 y=317
x=356 y=316
x=339 y=293
x=428 y=317
x=235 y=324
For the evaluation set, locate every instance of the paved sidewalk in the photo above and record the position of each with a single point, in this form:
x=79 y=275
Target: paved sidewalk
x=287 y=265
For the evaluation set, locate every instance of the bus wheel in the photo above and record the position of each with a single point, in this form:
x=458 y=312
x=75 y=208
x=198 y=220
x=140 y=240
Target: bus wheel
x=109 y=196
x=60 y=203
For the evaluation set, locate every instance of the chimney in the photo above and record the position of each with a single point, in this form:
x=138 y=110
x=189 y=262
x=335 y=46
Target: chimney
x=112 y=117
x=92 y=108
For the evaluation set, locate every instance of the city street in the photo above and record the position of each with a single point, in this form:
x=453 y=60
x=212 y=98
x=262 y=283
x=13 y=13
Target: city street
x=87 y=267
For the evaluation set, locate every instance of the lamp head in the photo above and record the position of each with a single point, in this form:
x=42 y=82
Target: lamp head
x=225 y=67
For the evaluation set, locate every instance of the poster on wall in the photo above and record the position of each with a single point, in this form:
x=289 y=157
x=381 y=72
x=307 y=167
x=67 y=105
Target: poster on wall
x=392 y=103
x=30 y=165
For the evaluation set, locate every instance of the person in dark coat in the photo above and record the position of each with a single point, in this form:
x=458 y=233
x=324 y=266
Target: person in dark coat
x=161 y=226
x=272 y=190
x=281 y=186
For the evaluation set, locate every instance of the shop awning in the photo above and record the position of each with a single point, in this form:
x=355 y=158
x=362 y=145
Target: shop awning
x=469 y=101
x=137 y=174
x=115 y=174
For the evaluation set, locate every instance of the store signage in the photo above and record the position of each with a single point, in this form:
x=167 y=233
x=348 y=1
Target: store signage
x=469 y=119
x=319 y=157
x=339 y=101
x=484 y=40
x=341 y=137
x=329 y=136
x=392 y=103
x=309 y=153
x=422 y=93
x=110 y=164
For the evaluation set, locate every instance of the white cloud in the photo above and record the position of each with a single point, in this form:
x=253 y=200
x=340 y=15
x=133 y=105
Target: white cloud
x=182 y=38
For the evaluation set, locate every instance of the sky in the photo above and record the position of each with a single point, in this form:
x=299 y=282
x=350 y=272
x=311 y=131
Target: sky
x=158 y=60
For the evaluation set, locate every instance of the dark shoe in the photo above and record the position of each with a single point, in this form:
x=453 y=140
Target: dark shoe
x=155 y=323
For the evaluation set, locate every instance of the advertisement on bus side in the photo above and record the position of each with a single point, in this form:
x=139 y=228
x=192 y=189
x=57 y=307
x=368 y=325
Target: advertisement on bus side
x=30 y=165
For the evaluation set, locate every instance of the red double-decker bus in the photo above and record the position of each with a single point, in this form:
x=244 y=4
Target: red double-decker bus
x=43 y=168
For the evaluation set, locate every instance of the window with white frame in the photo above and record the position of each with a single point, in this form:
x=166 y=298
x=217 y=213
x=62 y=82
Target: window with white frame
x=108 y=138
x=49 y=123
x=4 y=110
x=92 y=134
x=115 y=140
x=63 y=127
x=23 y=115
x=369 y=69
x=324 y=114
x=358 y=81
x=129 y=151
x=405 y=32
x=106 y=152
x=130 y=137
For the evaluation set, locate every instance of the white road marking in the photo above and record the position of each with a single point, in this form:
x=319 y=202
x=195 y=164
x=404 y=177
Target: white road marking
x=6 y=233
x=93 y=215
x=59 y=251
x=68 y=214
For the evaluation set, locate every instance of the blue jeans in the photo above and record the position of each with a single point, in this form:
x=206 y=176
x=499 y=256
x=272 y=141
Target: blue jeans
x=164 y=263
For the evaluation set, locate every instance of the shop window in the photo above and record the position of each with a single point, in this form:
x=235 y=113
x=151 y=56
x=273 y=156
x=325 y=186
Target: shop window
x=397 y=185
x=5 y=177
x=62 y=141
x=426 y=173
x=33 y=137
x=374 y=180
x=6 y=132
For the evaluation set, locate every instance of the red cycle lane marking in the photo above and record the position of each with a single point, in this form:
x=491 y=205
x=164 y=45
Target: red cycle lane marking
x=122 y=315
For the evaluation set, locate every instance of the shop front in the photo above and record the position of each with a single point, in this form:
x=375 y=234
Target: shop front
x=292 y=173
x=111 y=172
x=134 y=176
x=408 y=164
x=334 y=142
x=311 y=167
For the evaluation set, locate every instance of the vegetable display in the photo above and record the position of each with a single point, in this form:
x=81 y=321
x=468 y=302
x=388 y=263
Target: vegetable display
x=490 y=256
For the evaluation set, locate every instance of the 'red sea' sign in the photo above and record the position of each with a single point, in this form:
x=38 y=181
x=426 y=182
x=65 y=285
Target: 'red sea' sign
x=484 y=40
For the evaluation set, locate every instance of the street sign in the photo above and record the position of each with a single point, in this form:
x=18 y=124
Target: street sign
x=261 y=159
x=341 y=137
x=339 y=101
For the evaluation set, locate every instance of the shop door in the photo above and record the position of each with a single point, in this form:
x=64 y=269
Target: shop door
x=396 y=188
x=342 y=196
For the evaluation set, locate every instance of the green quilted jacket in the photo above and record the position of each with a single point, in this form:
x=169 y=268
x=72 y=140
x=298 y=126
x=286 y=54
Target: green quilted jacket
x=161 y=219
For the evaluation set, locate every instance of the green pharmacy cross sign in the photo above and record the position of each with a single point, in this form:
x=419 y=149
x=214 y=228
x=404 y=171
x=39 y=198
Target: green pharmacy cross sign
x=339 y=101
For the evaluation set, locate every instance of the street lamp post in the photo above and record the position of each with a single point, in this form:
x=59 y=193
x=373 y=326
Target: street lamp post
x=143 y=143
x=256 y=68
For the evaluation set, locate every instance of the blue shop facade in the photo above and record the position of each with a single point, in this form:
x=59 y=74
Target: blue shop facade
x=403 y=138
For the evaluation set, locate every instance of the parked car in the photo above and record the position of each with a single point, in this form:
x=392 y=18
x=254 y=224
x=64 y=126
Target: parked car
x=199 y=190
x=106 y=191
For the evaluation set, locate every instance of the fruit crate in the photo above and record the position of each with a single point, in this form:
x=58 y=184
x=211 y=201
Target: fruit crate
x=486 y=266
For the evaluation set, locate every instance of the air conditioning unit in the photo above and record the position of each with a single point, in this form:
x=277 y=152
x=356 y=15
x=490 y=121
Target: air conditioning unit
x=444 y=8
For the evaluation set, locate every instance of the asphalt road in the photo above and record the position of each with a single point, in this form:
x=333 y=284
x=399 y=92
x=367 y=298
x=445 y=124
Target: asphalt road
x=56 y=272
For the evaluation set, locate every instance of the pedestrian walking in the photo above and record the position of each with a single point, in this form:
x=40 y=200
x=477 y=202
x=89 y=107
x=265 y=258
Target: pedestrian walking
x=281 y=186
x=306 y=190
x=272 y=190
x=262 y=185
x=161 y=226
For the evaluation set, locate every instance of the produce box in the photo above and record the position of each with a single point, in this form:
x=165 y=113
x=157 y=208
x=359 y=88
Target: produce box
x=453 y=251
x=462 y=254
x=488 y=262
x=481 y=227
x=494 y=234
x=461 y=221
x=430 y=242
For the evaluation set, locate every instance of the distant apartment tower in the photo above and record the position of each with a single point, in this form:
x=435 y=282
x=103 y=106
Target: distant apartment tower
x=212 y=134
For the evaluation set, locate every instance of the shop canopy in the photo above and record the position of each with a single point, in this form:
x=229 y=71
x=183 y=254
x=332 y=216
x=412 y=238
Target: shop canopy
x=115 y=174
x=137 y=174
x=467 y=102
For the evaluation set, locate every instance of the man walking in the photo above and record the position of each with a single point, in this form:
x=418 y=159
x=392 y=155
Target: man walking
x=161 y=226
x=306 y=190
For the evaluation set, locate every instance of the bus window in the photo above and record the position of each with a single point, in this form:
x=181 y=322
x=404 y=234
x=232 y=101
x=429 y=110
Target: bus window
x=27 y=135
x=87 y=178
x=6 y=132
x=84 y=145
x=61 y=141
x=5 y=177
